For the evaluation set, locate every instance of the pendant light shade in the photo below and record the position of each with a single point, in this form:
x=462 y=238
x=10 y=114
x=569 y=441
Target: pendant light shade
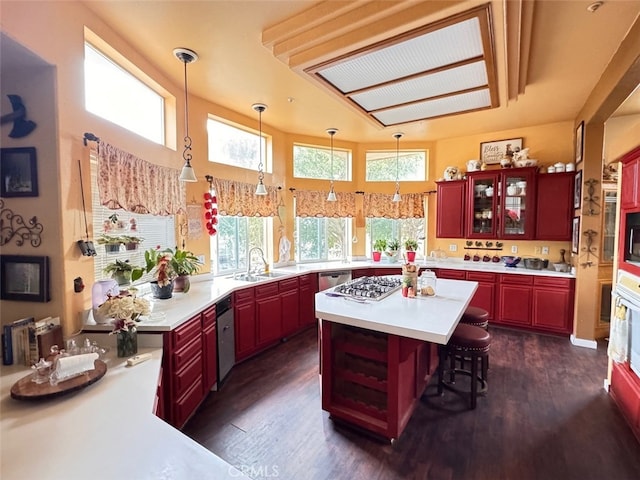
x=187 y=174
x=332 y=195
x=396 y=196
x=260 y=188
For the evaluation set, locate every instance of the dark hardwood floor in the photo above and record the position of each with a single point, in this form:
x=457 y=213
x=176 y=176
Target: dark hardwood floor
x=546 y=416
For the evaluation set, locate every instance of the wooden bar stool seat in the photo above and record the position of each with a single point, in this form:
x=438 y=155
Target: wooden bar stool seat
x=471 y=343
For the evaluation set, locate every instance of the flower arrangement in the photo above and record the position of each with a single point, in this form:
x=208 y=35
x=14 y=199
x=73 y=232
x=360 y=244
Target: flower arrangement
x=160 y=261
x=125 y=309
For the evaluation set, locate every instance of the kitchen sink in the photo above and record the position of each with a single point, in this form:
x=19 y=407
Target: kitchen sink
x=252 y=277
x=271 y=275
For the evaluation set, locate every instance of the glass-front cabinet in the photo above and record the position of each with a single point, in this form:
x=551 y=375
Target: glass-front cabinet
x=608 y=246
x=502 y=205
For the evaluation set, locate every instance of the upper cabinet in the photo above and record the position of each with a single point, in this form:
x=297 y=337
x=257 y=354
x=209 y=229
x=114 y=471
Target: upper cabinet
x=450 y=209
x=554 y=206
x=512 y=204
x=502 y=204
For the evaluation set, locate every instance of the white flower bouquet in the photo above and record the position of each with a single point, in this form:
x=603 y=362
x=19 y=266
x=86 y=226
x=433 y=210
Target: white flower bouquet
x=125 y=309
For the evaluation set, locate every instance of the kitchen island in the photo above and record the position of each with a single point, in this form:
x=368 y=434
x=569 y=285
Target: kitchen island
x=377 y=357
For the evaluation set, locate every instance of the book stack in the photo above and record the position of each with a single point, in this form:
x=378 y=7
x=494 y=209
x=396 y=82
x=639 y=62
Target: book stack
x=25 y=341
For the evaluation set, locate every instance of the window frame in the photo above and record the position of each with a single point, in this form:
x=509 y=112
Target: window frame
x=267 y=145
x=348 y=167
x=391 y=155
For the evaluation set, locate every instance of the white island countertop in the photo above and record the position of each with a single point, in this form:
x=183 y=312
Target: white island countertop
x=432 y=319
x=104 y=431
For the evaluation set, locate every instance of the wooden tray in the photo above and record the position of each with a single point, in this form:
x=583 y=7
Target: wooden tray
x=25 y=389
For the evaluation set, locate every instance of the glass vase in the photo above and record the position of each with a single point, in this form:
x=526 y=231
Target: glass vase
x=127 y=342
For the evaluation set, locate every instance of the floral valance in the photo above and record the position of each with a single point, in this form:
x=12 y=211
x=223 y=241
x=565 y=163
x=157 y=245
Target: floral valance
x=315 y=204
x=380 y=205
x=130 y=183
x=240 y=199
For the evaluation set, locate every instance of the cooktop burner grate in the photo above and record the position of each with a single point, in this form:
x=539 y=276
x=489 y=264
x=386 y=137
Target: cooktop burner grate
x=374 y=288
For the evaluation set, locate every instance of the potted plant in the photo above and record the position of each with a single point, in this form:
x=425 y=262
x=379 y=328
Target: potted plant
x=111 y=242
x=184 y=263
x=120 y=271
x=392 y=250
x=378 y=247
x=131 y=242
x=411 y=245
x=159 y=262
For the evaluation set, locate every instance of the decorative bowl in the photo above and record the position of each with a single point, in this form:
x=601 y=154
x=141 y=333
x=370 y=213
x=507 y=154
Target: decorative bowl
x=510 y=261
x=527 y=162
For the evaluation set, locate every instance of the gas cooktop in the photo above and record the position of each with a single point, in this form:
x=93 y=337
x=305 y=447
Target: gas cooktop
x=373 y=288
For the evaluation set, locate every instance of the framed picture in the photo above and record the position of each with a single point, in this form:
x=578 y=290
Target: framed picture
x=575 y=235
x=24 y=278
x=577 y=190
x=492 y=152
x=19 y=173
x=579 y=142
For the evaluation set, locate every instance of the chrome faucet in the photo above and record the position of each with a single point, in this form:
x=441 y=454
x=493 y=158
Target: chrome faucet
x=259 y=250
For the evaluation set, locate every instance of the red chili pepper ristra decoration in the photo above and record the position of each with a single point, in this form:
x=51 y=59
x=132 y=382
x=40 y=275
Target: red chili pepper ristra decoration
x=210 y=207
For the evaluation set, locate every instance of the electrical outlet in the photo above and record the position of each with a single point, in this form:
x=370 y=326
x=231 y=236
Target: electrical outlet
x=201 y=258
x=537 y=250
x=514 y=249
x=453 y=247
x=545 y=250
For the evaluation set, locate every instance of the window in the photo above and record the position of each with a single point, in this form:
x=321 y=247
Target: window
x=113 y=93
x=235 y=146
x=154 y=230
x=381 y=166
x=315 y=162
x=235 y=237
x=322 y=239
x=396 y=229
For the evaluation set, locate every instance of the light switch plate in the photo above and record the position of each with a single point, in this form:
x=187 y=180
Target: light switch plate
x=545 y=250
x=514 y=249
x=453 y=247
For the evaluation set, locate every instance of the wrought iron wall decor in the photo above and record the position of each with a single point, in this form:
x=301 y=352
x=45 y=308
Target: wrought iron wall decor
x=589 y=248
x=12 y=225
x=591 y=198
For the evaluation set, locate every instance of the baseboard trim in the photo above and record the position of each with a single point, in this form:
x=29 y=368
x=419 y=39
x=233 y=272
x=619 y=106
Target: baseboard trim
x=581 y=342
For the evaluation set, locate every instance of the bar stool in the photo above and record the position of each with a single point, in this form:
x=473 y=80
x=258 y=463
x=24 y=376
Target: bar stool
x=476 y=316
x=471 y=343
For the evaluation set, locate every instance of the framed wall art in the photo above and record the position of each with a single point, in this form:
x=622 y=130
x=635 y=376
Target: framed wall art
x=24 y=278
x=18 y=172
x=492 y=152
x=575 y=235
x=579 y=142
x=577 y=190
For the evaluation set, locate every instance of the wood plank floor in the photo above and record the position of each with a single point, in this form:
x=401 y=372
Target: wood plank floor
x=546 y=416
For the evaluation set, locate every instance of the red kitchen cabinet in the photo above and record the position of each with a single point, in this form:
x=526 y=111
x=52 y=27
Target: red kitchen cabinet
x=553 y=304
x=450 y=210
x=515 y=298
x=451 y=274
x=630 y=188
x=554 y=206
x=361 y=272
x=209 y=349
x=482 y=204
x=244 y=311
x=625 y=390
x=290 y=305
x=486 y=293
x=307 y=307
x=268 y=314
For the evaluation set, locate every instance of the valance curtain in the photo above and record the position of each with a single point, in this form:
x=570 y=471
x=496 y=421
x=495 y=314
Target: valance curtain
x=315 y=204
x=239 y=199
x=380 y=205
x=128 y=182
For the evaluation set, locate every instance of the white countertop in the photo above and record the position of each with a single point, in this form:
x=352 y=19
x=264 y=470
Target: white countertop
x=206 y=292
x=432 y=319
x=105 y=431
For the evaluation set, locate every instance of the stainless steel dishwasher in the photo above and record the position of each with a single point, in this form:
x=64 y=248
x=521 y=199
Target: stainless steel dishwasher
x=331 y=279
x=226 y=338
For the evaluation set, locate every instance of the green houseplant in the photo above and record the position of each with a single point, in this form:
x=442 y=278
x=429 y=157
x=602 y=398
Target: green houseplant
x=120 y=271
x=184 y=263
x=159 y=262
x=392 y=250
x=378 y=247
x=410 y=245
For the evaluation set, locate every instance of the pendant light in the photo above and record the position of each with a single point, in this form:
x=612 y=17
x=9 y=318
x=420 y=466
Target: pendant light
x=260 y=188
x=396 y=196
x=332 y=195
x=187 y=174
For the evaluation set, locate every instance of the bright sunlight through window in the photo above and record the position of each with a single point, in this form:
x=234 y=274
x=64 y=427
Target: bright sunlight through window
x=116 y=95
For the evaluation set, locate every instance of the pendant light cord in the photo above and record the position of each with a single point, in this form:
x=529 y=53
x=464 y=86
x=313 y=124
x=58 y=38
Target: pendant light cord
x=186 y=154
x=260 y=173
